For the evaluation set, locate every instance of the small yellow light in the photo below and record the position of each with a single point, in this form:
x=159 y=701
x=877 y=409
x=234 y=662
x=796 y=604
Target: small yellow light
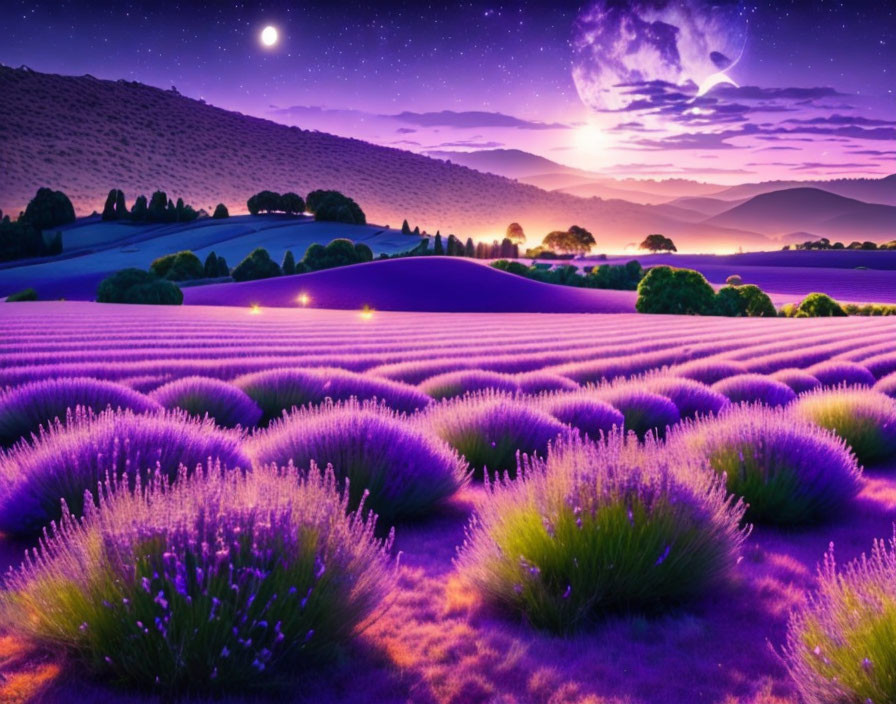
x=366 y=313
x=304 y=299
x=256 y=309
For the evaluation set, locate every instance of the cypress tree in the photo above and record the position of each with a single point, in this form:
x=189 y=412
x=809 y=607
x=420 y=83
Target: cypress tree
x=211 y=266
x=109 y=207
x=121 y=210
x=405 y=228
x=437 y=248
x=289 y=263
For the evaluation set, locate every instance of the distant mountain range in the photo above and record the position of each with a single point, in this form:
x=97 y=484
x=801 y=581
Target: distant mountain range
x=826 y=214
x=85 y=136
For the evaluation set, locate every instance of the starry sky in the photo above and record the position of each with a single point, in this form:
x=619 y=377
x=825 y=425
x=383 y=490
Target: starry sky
x=730 y=91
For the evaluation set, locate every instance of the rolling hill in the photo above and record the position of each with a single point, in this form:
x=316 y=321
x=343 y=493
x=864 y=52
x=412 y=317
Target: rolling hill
x=84 y=136
x=436 y=284
x=869 y=190
x=824 y=213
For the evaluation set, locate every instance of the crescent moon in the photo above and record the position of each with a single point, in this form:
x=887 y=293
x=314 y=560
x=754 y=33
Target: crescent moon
x=714 y=80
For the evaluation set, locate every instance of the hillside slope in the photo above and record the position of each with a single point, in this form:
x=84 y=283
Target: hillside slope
x=824 y=213
x=437 y=284
x=84 y=136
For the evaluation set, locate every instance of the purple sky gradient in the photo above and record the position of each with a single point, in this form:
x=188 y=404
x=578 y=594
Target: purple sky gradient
x=815 y=93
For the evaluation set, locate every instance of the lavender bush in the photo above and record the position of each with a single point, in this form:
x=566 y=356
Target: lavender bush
x=221 y=581
x=601 y=528
x=864 y=418
x=788 y=471
x=199 y=396
x=797 y=379
x=540 y=382
x=887 y=385
x=279 y=390
x=488 y=429
x=836 y=372
x=592 y=417
x=840 y=645
x=755 y=388
x=24 y=409
x=467 y=381
x=690 y=397
x=68 y=459
x=405 y=471
x=644 y=411
x=709 y=371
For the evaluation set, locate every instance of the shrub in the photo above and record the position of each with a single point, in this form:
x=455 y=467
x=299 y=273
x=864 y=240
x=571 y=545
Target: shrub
x=597 y=529
x=68 y=459
x=887 y=385
x=734 y=280
x=788 y=471
x=221 y=212
x=819 y=305
x=138 y=286
x=223 y=581
x=709 y=371
x=538 y=382
x=690 y=397
x=489 y=430
x=836 y=372
x=675 y=291
x=742 y=301
x=467 y=381
x=278 y=390
x=339 y=252
x=48 y=209
x=228 y=405
x=840 y=642
x=755 y=388
x=592 y=417
x=182 y=266
x=28 y=294
x=292 y=203
x=24 y=409
x=865 y=419
x=257 y=265
x=405 y=472
x=796 y=379
x=210 y=268
x=644 y=411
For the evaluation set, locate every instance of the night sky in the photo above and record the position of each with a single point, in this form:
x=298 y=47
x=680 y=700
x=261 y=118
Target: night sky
x=806 y=89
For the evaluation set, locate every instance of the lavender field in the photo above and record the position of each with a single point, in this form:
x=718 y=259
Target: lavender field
x=539 y=508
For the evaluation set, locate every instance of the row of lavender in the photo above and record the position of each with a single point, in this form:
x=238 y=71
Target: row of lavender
x=210 y=580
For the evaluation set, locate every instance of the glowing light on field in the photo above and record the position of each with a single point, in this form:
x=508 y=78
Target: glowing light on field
x=366 y=313
x=303 y=299
x=255 y=309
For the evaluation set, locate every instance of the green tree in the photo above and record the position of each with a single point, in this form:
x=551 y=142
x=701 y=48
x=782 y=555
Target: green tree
x=139 y=211
x=745 y=301
x=333 y=206
x=180 y=266
x=257 y=265
x=252 y=205
x=658 y=243
x=515 y=233
x=469 y=248
x=292 y=204
x=223 y=269
x=339 y=252
x=437 y=248
x=221 y=212
x=109 y=207
x=405 y=228
x=158 y=204
x=583 y=238
x=675 y=291
x=48 y=209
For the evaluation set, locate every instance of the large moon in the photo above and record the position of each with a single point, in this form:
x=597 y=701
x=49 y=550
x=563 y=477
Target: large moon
x=618 y=42
x=269 y=36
